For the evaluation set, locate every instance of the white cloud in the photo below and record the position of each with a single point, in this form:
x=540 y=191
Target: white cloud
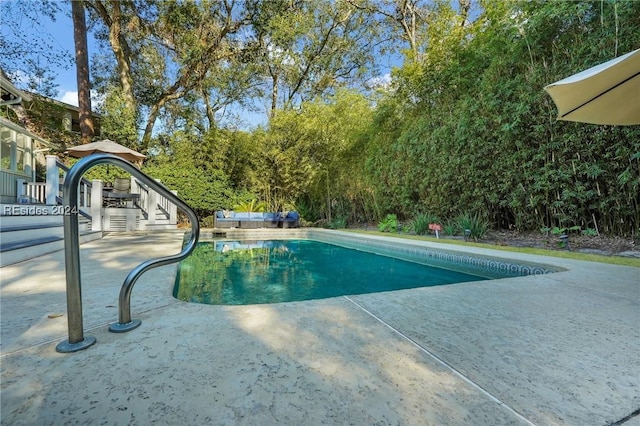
x=380 y=82
x=280 y=54
x=70 y=98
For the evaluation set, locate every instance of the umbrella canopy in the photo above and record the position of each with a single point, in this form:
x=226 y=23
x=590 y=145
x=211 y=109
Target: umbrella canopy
x=106 y=147
x=608 y=93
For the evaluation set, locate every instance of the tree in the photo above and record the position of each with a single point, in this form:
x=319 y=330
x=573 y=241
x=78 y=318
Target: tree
x=116 y=16
x=471 y=130
x=307 y=155
x=185 y=166
x=82 y=70
x=310 y=49
x=171 y=50
x=27 y=51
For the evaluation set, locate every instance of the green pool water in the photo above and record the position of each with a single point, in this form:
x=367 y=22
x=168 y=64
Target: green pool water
x=244 y=273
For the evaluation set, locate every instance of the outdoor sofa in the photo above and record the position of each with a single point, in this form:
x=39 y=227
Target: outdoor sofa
x=253 y=220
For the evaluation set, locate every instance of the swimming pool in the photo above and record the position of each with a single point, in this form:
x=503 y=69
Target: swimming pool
x=240 y=272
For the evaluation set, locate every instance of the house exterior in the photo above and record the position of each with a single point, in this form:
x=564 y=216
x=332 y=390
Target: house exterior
x=20 y=149
x=18 y=146
x=31 y=210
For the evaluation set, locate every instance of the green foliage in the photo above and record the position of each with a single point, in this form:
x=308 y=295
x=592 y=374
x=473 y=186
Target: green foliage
x=420 y=223
x=27 y=48
x=119 y=122
x=251 y=206
x=337 y=223
x=311 y=155
x=471 y=130
x=450 y=228
x=473 y=223
x=559 y=231
x=208 y=222
x=388 y=224
x=190 y=169
x=205 y=192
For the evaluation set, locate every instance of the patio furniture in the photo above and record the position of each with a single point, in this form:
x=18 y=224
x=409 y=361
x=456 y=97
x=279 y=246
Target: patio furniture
x=289 y=220
x=253 y=220
x=119 y=195
x=270 y=220
x=226 y=219
x=250 y=220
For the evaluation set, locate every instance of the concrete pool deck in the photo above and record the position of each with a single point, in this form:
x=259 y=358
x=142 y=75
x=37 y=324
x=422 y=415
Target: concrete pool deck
x=559 y=348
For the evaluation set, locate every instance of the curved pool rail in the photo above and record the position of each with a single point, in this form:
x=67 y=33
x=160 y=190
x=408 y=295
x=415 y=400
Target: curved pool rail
x=77 y=341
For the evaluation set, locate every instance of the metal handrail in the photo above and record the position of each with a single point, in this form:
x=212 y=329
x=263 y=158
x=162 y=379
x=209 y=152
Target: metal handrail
x=77 y=341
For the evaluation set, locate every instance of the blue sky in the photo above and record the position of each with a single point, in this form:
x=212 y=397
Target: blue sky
x=61 y=33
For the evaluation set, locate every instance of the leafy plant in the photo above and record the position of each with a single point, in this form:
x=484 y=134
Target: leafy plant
x=208 y=222
x=337 y=223
x=450 y=228
x=420 y=223
x=205 y=192
x=474 y=223
x=590 y=232
x=559 y=231
x=388 y=224
x=251 y=206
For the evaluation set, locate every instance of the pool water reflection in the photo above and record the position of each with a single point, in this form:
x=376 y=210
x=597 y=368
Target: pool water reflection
x=252 y=272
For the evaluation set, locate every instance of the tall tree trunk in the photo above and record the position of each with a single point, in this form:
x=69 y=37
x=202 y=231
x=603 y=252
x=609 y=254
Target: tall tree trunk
x=111 y=15
x=274 y=95
x=82 y=70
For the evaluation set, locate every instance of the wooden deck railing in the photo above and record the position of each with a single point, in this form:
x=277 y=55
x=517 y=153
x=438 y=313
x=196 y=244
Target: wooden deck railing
x=90 y=196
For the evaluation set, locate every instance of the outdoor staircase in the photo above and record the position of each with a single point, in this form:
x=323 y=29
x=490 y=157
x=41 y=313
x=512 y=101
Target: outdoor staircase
x=28 y=231
x=162 y=222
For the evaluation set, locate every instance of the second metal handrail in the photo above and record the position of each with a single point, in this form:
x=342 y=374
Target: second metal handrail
x=77 y=341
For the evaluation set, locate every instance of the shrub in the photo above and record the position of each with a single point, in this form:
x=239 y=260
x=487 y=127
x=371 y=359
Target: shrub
x=208 y=222
x=474 y=223
x=560 y=231
x=251 y=206
x=204 y=191
x=389 y=224
x=420 y=223
x=337 y=223
x=450 y=228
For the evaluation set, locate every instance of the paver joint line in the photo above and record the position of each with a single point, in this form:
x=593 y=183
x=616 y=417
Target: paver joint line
x=444 y=363
x=625 y=419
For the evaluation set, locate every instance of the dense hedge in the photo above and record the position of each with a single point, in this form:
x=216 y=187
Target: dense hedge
x=479 y=134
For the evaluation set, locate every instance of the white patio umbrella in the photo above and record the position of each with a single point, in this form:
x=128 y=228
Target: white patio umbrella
x=608 y=93
x=106 y=147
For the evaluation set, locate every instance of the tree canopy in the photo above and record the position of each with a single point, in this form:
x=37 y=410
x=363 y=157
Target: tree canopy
x=461 y=126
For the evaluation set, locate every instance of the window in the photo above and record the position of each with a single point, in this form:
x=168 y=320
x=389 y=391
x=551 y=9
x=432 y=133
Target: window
x=15 y=151
x=5 y=148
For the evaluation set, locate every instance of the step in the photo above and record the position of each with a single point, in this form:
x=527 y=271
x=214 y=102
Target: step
x=19 y=251
x=158 y=226
x=25 y=220
x=159 y=216
x=13 y=228
x=17 y=233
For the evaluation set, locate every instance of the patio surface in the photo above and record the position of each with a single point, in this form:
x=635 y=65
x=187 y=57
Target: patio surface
x=555 y=349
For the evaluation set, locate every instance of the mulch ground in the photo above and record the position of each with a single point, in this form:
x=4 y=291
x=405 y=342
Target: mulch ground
x=591 y=244
x=603 y=245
